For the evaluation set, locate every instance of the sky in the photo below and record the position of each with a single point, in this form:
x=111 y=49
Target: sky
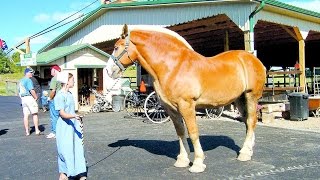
x=21 y=19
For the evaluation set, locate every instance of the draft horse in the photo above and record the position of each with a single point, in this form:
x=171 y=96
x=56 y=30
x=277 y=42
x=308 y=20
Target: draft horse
x=186 y=80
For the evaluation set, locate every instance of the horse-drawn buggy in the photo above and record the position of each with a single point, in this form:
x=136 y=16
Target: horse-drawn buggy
x=147 y=104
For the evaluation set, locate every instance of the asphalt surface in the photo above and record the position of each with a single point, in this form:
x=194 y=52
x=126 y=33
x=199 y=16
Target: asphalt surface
x=123 y=148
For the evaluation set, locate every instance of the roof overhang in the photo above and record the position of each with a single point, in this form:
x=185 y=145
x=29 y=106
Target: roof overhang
x=271 y=6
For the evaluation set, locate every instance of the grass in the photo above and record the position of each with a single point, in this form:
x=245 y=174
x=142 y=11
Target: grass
x=8 y=82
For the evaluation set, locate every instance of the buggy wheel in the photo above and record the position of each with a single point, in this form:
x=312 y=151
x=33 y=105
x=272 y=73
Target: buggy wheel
x=131 y=105
x=214 y=113
x=154 y=109
x=96 y=108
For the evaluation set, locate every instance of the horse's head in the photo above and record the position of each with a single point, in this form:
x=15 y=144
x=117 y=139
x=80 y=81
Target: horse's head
x=124 y=55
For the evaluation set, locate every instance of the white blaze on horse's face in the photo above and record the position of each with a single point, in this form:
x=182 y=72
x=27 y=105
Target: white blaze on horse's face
x=112 y=69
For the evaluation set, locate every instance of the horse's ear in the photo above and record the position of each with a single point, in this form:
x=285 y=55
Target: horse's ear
x=124 y=31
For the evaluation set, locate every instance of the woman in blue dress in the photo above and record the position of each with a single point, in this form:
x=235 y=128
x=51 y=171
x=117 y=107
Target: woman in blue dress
x=71 y=160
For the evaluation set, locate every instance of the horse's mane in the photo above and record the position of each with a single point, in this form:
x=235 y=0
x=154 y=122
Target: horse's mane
x=164 y=30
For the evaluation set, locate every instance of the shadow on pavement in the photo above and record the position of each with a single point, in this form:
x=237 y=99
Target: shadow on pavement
x=41 y=128
x=3 y=131
x=171 y=148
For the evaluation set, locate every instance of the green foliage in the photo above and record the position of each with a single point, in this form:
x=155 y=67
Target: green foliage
x=130 y=72
x=4 y=64
x=8 y=64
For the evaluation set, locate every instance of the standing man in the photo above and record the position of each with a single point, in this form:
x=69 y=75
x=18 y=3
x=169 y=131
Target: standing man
x=29 y=101
x=37 y=86
x=54 y=87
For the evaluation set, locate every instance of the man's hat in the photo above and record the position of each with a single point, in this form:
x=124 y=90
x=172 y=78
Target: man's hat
x=56 y=67
x=28 y=70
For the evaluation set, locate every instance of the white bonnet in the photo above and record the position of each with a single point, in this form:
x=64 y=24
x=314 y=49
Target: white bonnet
x=63 y=77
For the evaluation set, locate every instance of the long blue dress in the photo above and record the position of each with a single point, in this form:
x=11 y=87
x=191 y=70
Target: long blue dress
x=71 y=158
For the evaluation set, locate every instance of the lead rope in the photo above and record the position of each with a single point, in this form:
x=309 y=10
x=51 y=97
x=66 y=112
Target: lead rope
x=81 y=128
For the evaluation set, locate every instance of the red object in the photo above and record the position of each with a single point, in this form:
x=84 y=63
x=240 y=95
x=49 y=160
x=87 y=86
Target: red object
x=297 y=65
x=143 y=88
x=56 y=67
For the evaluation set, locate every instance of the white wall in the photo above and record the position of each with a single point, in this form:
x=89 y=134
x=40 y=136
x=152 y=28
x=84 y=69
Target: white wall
x=86 y=57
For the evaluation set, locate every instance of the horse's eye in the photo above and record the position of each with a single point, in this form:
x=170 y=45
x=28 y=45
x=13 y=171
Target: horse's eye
x=115 y=48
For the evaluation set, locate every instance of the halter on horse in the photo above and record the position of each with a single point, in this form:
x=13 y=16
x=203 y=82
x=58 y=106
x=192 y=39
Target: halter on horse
x=186 y=80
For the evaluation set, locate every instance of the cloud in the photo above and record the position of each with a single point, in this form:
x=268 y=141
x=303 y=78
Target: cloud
x=46 y=38
x=41 y=18
x=54 y=17
x=42 y=40
x=79 y=5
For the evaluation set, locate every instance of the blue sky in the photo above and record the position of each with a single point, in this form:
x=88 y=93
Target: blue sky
x=21 y=19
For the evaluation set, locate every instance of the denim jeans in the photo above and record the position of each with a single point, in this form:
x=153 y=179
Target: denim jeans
x=54 y=115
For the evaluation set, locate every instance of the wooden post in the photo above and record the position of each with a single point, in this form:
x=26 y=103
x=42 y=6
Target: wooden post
x=226 y=42
x=302 y=63
x=247 y=40
x=27 y=41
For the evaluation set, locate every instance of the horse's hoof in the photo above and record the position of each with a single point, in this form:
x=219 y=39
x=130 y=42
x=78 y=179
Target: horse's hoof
x=182 y=163
x=197 y=168
x=244 y=157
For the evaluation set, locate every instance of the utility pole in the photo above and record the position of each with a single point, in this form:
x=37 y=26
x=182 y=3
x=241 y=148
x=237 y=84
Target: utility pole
x=27 y=41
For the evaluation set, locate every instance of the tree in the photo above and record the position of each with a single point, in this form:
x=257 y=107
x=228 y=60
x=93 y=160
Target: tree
x=4 y=64
x=15 y=58
x=8 y=65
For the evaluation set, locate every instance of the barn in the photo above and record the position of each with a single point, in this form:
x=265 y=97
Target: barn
x=279 y=34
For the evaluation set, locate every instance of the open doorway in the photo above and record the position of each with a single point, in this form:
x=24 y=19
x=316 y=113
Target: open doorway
x=89 y=78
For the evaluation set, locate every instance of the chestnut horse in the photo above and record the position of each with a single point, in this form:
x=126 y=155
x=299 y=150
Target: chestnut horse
x=186 y=80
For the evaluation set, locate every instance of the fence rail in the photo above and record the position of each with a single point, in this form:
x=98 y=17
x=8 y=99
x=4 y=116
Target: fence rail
x=11 y=87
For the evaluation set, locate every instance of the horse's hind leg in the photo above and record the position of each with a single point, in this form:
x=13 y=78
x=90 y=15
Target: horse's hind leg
x=182 y=158
x=187 y=110
x=250 y=120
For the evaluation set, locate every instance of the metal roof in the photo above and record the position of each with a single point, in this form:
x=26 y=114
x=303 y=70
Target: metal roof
x=59 y=52
x=103 y=23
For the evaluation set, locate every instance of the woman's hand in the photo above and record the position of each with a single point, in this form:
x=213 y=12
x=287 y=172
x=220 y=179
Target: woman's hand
x=77 y=116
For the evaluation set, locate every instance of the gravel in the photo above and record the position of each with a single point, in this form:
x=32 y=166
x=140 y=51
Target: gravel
x=311 y=124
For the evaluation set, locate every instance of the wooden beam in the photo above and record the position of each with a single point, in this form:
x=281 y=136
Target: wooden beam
x=298 y=34
x=282 y=88
x=198 y=23
x=283 y=72
x=208 y=28
x=289 y=32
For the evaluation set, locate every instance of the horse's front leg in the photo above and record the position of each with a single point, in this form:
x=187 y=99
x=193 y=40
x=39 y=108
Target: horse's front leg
x=251 y=120
x=188 y=112
x=183 y=157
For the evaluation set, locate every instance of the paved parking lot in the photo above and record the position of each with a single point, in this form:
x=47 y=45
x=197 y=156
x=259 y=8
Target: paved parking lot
x=124 y=148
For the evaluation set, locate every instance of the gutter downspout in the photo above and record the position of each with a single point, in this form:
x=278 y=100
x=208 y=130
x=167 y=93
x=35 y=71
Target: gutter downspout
x=261 y=6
